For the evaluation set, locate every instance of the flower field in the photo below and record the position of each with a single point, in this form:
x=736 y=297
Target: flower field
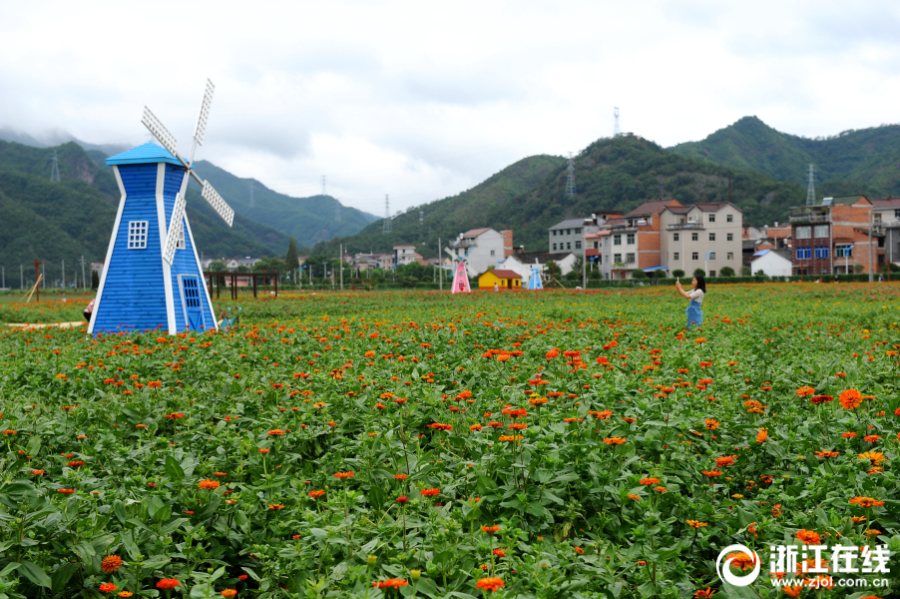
x=552 y=444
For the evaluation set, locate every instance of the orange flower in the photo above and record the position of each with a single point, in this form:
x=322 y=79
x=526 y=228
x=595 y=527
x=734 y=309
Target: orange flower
x=108 y=588
x=229 y=593
x=697 y=524
x=264 y=450
x=38 y=472
x=809 y=537
x=793 y=591
x=762 y=435
x=391 y=583
x=712 y=473
x=875 y=456
x=490 y=529
x=634 y=497
x=316 y=494
x=849 y=435
x=275 y=433
x=866 y=502
x=111 y=563
x=711 y=424
x=850 y=399
x=209 y=484
x=276 y=506
x=614 y=440
x=490 y=584
x=343 y=474
x=704 y=593
x=168 y=583
x=827 y=454
x=805 y=391
x=742 y=560
x=430 y=492
x=401 y=476
x=649 y=481
x=724 y=461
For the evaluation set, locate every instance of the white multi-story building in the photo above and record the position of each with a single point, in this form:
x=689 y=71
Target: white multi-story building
x=406 y=254
x=707 y=236
x=481 y=248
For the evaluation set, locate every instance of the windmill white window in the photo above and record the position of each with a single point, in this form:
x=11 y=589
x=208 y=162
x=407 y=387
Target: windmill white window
x=179 y=244
x=137 y=234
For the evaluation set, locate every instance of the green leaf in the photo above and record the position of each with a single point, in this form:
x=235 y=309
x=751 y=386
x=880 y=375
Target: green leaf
x=156 y=561
x=174 y=469
x=9 y=568
x=119 y=511
x=62 y=575
x=35 y=574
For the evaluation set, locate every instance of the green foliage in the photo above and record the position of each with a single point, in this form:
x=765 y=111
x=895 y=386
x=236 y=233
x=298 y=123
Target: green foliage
x=726 y=271
x=745 y=271
x=639 y=274
x=699 y=272
x=854 y=162
x=677 y=273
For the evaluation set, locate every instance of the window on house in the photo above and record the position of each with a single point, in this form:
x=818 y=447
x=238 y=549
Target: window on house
x=712 y=255
x=492 y=252
x=676 y=237
x=712 y=236
x=822 y=252
x=568 y=245
x=729 y=218
x=630 y=238
x=730 y=237
x=821 y=231
x=712 y=273
x=554 y=247
x=617 y=258
x=180 y=244
x=695 y=236
x=596 y=245
x=729 y=256
x=843 y=251
x=629 y=258
x=617 y=240
x=137 y=234
x=577 y=245
x=804 y=253
x=803 y=232
x=695 y=256
x=555 y=232
x=578 y=231
x=712 y=218
x=568 y=231
x=896 y=213
x=676 y=256
x=881 y=242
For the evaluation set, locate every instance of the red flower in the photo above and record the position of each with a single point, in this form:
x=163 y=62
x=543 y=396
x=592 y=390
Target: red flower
x=430 y=492
x=167 y=583
x=402 y=499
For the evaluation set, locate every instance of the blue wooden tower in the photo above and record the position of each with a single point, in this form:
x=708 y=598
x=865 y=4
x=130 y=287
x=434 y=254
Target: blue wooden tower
x=152 y=278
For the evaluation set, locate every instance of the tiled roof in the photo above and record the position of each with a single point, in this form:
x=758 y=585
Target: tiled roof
x=541 y=257
x=887 y=203
x=505 y=274
x=569 y=223
x=476 y=232
x=651 y=207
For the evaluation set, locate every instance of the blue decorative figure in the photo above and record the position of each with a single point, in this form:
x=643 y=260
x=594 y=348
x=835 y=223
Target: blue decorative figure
x=534 y=282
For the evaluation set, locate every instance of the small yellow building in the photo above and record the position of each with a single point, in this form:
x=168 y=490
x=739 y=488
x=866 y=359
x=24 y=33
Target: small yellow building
x=504 y=279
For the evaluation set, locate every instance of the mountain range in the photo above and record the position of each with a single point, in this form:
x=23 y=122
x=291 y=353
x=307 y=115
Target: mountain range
x=763 y=171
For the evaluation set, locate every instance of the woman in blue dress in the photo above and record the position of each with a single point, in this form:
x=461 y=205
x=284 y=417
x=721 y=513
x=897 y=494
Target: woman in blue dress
x=694 y=310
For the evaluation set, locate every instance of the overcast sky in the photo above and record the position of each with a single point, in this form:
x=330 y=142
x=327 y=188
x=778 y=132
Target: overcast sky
x=422 y=100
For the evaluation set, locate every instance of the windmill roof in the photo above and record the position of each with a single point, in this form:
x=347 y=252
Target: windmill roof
x=149 y=153
x=505 y=274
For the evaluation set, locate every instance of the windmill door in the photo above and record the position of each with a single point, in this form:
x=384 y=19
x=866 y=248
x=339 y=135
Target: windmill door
x=190 y=301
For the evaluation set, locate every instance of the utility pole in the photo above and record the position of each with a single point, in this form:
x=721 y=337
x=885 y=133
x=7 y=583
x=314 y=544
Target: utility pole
x=386 y=225
x=83 y=279
x=63 y=274
x=616 y=125
x=583 y=257
x=570 y=178
x=811 y=188
x=37 y=278
x=44 y=277
x=871 y=224
x=341 y=262
x=440 y=265
x=21 y=276
x=4 y=277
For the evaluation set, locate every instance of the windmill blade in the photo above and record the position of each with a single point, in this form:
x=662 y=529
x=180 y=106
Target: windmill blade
x=219 y=205
x=200 y=129
x=176 y=228
x=159 y=131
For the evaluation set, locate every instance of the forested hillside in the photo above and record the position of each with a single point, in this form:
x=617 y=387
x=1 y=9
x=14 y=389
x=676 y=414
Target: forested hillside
x=446 y=218
x=610 y=174
x=865 y=161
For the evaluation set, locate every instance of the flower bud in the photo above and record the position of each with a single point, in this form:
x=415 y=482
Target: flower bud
x=372 y=559
x=415 y=574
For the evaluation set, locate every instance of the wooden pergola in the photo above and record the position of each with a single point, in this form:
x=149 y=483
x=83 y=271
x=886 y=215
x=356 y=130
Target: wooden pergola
x=235 y=277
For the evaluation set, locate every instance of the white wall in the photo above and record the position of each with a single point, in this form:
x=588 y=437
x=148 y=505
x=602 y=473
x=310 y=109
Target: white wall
x=772 y=264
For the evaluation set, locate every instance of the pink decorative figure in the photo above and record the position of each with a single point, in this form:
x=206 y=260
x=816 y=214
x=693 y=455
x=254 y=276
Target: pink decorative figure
x=460 y=278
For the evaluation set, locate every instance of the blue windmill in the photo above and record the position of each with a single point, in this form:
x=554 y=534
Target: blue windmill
x=534 y=282
x=152 y=277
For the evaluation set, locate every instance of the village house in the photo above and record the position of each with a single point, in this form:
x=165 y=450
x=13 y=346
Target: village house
x=633 y=241
x=503 y=279
x=481 y=248
x=706 y=236
x=521 y=262
x=836 y=236
x=771 y=262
